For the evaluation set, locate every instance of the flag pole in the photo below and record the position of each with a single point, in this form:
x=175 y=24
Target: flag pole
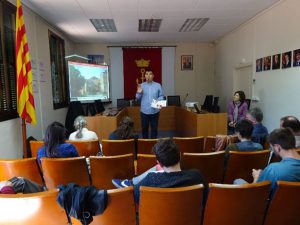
x=24 y=136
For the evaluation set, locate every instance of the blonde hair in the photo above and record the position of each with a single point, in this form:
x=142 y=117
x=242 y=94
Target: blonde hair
x=79 y=124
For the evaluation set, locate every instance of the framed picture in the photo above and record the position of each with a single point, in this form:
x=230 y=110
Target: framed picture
x=259 y=65
x=186 y=62
x=276 y=59
x=286 y=60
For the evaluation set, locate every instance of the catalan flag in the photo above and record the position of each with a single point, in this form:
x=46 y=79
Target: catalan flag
x=26 y=108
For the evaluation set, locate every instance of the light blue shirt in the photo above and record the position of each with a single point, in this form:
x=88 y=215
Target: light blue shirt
x=287 y=169
x=150 y=91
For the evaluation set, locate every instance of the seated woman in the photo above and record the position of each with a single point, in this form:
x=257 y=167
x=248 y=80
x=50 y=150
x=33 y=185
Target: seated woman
x=237 y=110
x=55 y=145
x=82 y=133
x=124 y=131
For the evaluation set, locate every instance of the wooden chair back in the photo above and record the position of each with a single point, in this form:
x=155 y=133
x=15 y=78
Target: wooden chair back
x=34 y=147
x=190 y=144
x=144 y=146
x=118 y=147
x=104 y=169
x=120 y=208
x=176 y=206
x=285 y=205
x=65 y=170
x=144 y=163
x=86 y=148
x=28 y=209
x=236 y=204
x=240 y=164
x=210 y=144
x=27 y=168
x=210 y=165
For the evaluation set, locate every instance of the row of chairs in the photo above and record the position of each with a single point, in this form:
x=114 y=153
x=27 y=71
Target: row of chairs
x=144 y=146
x=103 y=169
x=226 y=205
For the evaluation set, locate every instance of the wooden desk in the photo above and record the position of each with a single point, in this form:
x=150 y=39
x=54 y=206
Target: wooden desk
x=172 y=118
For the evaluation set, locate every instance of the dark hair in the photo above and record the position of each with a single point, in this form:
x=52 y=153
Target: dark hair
x=291 y=122
x=167 y=152
x=54 y=136
x=148 y=69
x=242 y=95
x=257 y=114
x=125 y=130
x=245 y=128
x=283 y=137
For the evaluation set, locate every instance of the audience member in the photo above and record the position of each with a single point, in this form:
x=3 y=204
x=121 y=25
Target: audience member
x=260 y=132
x=55 y=146
x=294 y=124
x=282 y=142
x=168 y=157
x=124 y=131
x=82 y=133
x=244 y=129
x=237 y=109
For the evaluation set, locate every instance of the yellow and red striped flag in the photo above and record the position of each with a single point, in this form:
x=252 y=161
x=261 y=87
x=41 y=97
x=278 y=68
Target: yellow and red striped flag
x=25 y=98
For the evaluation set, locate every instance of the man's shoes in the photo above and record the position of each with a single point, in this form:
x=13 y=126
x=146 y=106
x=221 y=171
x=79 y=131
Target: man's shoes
x=121 y=183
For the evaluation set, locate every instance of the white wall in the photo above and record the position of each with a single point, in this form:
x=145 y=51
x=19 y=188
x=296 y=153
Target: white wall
x=10 y=131
x=273 y=31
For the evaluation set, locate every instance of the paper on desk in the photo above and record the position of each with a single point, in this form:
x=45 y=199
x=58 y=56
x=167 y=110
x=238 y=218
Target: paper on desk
x=158 y=104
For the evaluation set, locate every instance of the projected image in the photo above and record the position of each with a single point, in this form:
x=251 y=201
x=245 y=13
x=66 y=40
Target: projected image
x=88 y=82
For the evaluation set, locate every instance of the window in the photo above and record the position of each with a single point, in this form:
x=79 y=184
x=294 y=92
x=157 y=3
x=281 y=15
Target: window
x=8 y=95
x=58 y=71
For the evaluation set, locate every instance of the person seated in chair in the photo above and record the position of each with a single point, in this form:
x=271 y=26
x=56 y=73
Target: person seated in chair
x=282 y=142
x=82 y=133
x=260 y=132
x=124 y=131
x=55 y=145
x=294 y=124
x=244 y=129
x=168 y=157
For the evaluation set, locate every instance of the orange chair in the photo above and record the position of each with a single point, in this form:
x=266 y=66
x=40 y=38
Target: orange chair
x=28 y=209
x=174 y=206
x=144 y=146
x=240 y=164
x=34 y=147
x=211 y=165
x=145 y=162
x=210 y=144
x=118 y=147
x=236 y=204
x=86 y=148
x=190 y=144
x=285 y=205
x=65 y=170
x=120 y=208
x=104 y=169
x=27 y=168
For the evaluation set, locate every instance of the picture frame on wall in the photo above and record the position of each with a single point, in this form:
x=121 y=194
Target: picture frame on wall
x=286 y=60
x=296 y=57
x=95 y=59
x=186 y=62
x=259 y=65
x=276 y=59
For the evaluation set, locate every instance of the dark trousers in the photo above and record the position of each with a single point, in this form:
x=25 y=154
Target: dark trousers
x=153 y=120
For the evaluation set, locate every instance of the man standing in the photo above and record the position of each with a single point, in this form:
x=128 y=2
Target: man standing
x=147 y=92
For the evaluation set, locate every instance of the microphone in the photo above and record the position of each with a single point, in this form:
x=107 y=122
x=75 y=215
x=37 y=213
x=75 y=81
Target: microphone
x=184 y=99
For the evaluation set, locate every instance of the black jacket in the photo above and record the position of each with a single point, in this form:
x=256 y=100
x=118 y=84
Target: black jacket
x=82 y=202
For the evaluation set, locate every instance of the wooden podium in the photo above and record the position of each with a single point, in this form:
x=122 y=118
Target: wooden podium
x=172 y=118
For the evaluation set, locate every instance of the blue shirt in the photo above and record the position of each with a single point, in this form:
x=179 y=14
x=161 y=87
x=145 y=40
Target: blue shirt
x=151 y=91
x=259 y=133
x=245 y=146
x=65 y=150
x=287 y=169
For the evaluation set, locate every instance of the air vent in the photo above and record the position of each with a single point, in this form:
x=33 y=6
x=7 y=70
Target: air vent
x=104 y=25
x=193 y=25
x=149 y=25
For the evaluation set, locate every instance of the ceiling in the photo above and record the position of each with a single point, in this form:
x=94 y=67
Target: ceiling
x=73 y=18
